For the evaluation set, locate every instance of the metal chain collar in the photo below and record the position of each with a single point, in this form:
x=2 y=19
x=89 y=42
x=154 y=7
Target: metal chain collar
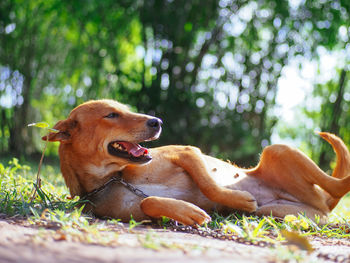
x=116 y=179
x=133 y=189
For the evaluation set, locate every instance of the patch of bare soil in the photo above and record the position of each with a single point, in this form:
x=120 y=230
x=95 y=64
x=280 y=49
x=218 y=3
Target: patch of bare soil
x=20 y=242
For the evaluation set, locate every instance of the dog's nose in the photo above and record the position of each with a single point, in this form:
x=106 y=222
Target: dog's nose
x=154 y=123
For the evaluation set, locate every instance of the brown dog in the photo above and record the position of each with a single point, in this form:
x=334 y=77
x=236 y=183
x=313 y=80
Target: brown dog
x=100 y=138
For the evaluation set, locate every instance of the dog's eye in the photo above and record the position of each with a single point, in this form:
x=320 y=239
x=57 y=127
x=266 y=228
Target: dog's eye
x=112 y=115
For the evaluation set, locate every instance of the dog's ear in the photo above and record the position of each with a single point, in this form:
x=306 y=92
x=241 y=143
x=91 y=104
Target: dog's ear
x=65 y=130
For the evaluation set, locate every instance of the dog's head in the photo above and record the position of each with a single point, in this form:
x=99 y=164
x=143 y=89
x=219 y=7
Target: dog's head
x=105 y=133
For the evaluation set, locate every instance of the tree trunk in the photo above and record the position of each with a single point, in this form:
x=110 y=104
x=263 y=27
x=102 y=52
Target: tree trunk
x=333 y=126
x=20 y=142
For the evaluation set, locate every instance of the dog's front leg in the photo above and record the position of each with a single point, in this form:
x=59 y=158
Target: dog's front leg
x=192 y=161
x=181 y=211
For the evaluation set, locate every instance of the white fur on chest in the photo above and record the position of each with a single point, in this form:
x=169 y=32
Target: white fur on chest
x=162 y=190
x=102 y=170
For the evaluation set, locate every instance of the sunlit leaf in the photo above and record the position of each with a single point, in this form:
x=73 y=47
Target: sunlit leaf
x=294 y=238
x=43 y=125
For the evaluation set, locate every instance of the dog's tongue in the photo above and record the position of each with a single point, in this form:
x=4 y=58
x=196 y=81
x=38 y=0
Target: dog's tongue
x=134 y=149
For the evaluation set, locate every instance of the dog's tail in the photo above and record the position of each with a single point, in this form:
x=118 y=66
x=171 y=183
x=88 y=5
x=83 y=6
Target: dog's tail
x=342 y=167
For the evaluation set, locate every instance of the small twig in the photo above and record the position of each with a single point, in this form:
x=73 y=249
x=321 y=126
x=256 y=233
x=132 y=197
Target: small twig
x=38 y=180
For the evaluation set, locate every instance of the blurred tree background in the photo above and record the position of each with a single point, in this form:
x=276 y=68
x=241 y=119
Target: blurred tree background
x=210 y=69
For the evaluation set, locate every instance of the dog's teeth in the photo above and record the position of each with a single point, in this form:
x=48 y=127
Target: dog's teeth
x=117 y=146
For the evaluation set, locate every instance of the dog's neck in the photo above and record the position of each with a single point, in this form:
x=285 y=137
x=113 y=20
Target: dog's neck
x=70 y=172
x=80 y=183
x=72 y=181
x=81 y=179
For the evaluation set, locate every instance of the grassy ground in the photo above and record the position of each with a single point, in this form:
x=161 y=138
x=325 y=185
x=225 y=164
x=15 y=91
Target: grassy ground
x=51 y=207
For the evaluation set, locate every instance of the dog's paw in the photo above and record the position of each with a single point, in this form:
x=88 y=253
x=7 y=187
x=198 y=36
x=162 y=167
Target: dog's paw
x=194 y=216
x=249 y=203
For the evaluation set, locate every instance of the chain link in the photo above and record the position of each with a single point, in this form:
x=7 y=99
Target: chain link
x=116 y=179
x=133 y=189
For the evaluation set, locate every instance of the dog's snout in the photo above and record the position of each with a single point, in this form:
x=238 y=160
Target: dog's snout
x=154 y=123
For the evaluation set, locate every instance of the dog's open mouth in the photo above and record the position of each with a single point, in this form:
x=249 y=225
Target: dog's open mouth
x=129 y=150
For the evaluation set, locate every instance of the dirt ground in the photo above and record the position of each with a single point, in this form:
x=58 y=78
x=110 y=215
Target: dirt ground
x=26 y=243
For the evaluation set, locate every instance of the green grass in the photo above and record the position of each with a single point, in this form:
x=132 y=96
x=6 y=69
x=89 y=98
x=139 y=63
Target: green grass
x=52 y=206
x=17 y=185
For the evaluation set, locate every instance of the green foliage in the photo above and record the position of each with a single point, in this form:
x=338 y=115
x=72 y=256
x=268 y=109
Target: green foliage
x=133 y=223
x=208 y=68
x=17 y=186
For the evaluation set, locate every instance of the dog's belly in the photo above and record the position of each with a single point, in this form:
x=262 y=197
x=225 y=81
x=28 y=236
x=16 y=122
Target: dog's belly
x=233 y=177
x=263 y=193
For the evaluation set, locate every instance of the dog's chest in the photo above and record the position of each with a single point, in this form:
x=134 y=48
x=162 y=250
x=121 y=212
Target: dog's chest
x=163 y=191
x=178 y=185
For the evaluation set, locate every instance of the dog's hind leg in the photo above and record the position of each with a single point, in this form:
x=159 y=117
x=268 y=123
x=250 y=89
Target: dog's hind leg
x=192 y=161
x=294 y=172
